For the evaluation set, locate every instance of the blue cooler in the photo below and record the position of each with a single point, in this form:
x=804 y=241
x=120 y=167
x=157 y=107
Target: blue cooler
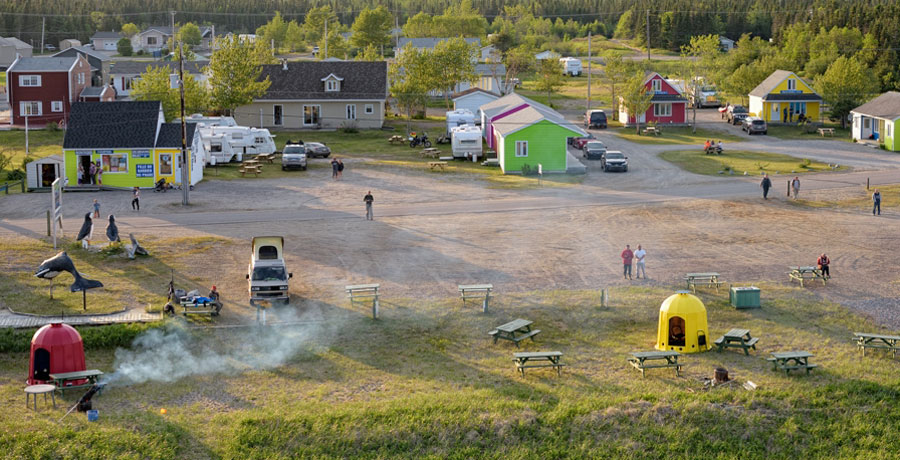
x=93 y=415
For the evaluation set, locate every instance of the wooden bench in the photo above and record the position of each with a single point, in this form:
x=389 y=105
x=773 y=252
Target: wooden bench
x=710 y=279
x=256 y=170
x=639 y=360
x=396 y=138
x=437 y=164
x=802 y=274
x=205 y=307
x=476 y=291
x=509 y=331
x=737 y=338
x=364 y=293
x=266 y=157
x=824 y=131
x=791 y=361
x=652 y=130
x=523 y=360
x=884 y=342
x=62 y=380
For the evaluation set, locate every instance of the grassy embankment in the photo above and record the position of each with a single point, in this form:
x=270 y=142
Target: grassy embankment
x=426 y=381
x=677 y=135
x=754 y=163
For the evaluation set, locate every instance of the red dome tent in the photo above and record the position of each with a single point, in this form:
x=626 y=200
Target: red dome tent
x=55 y=348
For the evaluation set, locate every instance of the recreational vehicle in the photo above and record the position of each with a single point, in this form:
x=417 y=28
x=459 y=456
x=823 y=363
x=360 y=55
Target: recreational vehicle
x=243 y=140
x=466 y=142
x=571 y=66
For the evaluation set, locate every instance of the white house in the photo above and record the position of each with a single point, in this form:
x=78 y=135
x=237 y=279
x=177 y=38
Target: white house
x=428 y=43
x=106 y=41
x=726 y=44
x=123 y=73
x=489 y=53
x=472 y=99
x=10 y=47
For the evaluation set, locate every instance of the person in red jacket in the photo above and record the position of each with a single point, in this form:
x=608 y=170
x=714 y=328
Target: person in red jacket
x=627 y=256
x=823 y=262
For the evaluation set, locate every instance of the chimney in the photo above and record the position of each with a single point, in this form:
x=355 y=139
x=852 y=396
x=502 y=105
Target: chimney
x=284 y=64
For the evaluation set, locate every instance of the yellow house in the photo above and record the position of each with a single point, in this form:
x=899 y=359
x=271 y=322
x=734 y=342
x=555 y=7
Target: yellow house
x=783 y=97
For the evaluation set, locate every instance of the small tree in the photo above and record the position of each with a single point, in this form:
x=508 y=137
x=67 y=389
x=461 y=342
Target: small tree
x=372 y=27
x=616 y=70
x=454 y=63
x=369 y=53
x=273 y=31
x=846 y=84
x=294 y=37
x=190 y=34
x=550 y=77
x=410 y=80
x=124 y=47
x=235 y=70
x=636 y=99
x=517 y=61
x=155 y=85
x=336 y=46
x=130 y=30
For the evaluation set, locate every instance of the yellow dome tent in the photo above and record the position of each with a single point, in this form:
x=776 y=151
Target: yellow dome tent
x=682 y=324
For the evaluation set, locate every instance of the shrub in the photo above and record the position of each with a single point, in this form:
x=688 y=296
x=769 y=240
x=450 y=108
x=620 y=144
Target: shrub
x=95 y=337
x=349 y=127
x=52 y=126
x=15 y=174
x=26 y=160
x=528 y=170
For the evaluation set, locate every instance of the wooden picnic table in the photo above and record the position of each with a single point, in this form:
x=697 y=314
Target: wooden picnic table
x=823 y=131
x=431 y=152
x=265 y=157
x=653 y=130
x=34 y=390
x=792 y=360
x=364 y=292
x=63 y=380
x=437 y=164
x=522 y=360
x=639 y=360
x=737 y=338
x=710 y=279
x=476 y=291
x=887 y=342
x=508 y=331
x=802 y=274
x=396 y=138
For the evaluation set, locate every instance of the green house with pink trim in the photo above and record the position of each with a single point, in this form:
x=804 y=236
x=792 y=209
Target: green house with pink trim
x=535 y=135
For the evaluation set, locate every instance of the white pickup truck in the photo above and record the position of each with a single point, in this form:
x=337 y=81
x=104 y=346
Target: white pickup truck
x=267 y=274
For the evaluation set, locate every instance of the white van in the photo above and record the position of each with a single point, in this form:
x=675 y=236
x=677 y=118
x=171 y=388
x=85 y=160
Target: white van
x=466 y=142
x=571 y=66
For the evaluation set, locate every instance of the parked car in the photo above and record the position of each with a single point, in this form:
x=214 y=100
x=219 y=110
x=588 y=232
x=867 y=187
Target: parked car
x=50 y=47
x=317 y=149
x=593 y=150
x=315 y=50
x=753 y=125
x=614 y=159
x=595 y=119
x=293 y=156
x=736 y=114
x=578 y=142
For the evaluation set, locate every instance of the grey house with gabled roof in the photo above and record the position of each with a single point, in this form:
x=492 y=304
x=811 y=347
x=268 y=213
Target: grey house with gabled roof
x=319 y=94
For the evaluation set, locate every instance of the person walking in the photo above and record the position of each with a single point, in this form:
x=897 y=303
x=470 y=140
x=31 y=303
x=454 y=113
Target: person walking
x=340 y=172
x=876 y=202
x=627 y=256
x=96 y=208
x=766 y=184
x=822 y=263
x=795 y=186
x=136 y=199
x=369 y=199
x=639 y=267
x=334 y=168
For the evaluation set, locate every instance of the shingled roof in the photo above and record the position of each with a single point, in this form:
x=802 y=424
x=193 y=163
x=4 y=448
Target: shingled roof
x=303 y=80
x=107 y=125
x=170 y=135
x=42 y=64
x=764 y=89
x=886 y=106
x=139 y=67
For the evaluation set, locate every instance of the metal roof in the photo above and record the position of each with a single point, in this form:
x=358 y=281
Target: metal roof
x=885 y=106
x=43 y=64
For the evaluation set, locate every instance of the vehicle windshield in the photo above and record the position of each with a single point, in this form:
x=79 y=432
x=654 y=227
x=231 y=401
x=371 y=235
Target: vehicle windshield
x=708 y=89
x=615 y=156
x=598 y=116
x=739 y=109
x=269 y=274
x=759 y=122
x=294 y=149
x=595 y=146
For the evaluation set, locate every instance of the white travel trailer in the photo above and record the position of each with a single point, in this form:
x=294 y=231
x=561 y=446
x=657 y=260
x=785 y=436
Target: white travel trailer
x=459 y=117
x=243 y=140
x=218 y=149
x=466 y=142
x=571 y=66
x=209 y=121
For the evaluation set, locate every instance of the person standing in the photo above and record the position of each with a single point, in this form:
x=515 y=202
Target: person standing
x=99 y=173
x=92 y=171
x=340 y=171
x=80 y=174
x=640 y=269
x=795 y=186
x=369 y=199
x=136 y=199
x=334 y=168
x=766 y=184
x=876 y=202
x=96 y=208
x=822 y=264
x=627 y=256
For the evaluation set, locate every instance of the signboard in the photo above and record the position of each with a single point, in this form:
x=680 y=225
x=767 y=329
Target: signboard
x=56 y=209
x=104 y=152
x=791 y=91
x=143 y=170
x=140 y=154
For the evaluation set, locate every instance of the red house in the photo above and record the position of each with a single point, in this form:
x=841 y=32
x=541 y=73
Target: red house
x=668 y=105
x=44 y=88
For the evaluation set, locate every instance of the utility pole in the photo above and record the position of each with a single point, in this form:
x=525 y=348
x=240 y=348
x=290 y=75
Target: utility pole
x=185 y=165
x=648 y=35
x=326 y=39
x=173 y=30
x=43 y=23
x=589 y=73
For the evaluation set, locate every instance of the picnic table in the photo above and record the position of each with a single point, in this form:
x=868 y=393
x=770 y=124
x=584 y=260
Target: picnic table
x=792 y=360
x=34 y=390
x=639 y=360
x=522 y=360
x=476 y=291
x=802 y=274
x=737 y=338
x=255 y=169
x=491 y=162
x=364 y=292
x=63 y=380
x=431 y=152
x=437 y=164
x=265 y=157
x=653 y=130
x=887 y=342
x=396 y=138
x=508 y=331
x=824 y=131
x=710 y=279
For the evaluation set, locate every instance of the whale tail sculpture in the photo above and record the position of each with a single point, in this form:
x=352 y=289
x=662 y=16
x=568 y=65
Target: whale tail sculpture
x=61 y=262
x=136 y=248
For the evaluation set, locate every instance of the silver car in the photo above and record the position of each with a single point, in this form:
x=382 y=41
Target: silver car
x=317 y=149
x=293 y=156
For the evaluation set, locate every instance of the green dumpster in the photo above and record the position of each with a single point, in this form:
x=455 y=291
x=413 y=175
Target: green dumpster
x=745 y=297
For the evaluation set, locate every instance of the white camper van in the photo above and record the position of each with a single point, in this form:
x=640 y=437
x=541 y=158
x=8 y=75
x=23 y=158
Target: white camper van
x=466 y=142
x=456 y=118
x=571 y=66
x=242 y=139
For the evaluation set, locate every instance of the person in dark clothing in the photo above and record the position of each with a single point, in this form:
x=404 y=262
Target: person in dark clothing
x=784 y=118
x=822 y=264
x=876 y=202
x=369 y=199
x=136 y=199
x=334 y=168
x=766 y=184
x=340 y=172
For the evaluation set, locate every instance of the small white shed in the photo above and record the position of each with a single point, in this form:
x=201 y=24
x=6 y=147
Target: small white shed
x=473 y=98
x=40 y=173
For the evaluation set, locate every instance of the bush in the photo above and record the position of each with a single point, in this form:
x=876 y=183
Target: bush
x=95 y=337
x=349 y=127
x=26 y=160
x=15 y=174
x=140 y=52
x=52 y=126
x=528 y=170
x=124 y=47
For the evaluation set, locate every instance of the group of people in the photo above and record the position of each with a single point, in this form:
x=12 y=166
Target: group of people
x=766 y=184
x=636 y=258
x=337 y=168
x=93 y=176
x=712 y=146
x=788 y=115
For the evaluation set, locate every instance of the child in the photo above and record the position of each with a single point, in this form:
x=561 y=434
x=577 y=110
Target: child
x=96 y=208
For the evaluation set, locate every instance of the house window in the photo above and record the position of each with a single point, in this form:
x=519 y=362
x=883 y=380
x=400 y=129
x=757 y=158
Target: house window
x=151 y=40
x=165 y=164
x=521 y=149
x=126 y=83
x=56 y=106
x=332 y=85
x=791 y=84
x=370 y=108
x=30 y=108
x=656 y=85
x=278 y=115
x=80 y=78
x=866 y=122
x=351 y=111
x=114 y=162
x=662 y=110
x=888 y=132
x=29 y=80
x=311 y=115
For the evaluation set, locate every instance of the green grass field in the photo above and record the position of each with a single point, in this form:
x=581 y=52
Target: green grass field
x=426 y=381
x=679 y=135
x=41 y=143
x=754 y=163
x=799 y=133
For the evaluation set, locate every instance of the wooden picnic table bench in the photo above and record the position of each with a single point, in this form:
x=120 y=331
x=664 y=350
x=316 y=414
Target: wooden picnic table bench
x=522 y=360
x=364 y=292
x=792 y=360
x=824 y=131
x=508 y=331
x=63 y=380
x=737 y=338
x=396 y=138
x=254 y=169
x=639 y=360
x=802 y=274
x=476 y=291
x=710 y=279
x=886 y=342
x=491 y=162
x=266 y=157
x=653 y=130
x=431 y=152
x=437 y=164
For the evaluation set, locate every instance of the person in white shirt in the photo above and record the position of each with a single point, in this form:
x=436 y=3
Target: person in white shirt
x=639 y=266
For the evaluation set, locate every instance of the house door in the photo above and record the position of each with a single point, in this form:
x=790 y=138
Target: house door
x=775 y=114
x=278 y=115
x=48 y=174
x=676 y=331
x=177 y=159
x=85 y=162
x=41 y=364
